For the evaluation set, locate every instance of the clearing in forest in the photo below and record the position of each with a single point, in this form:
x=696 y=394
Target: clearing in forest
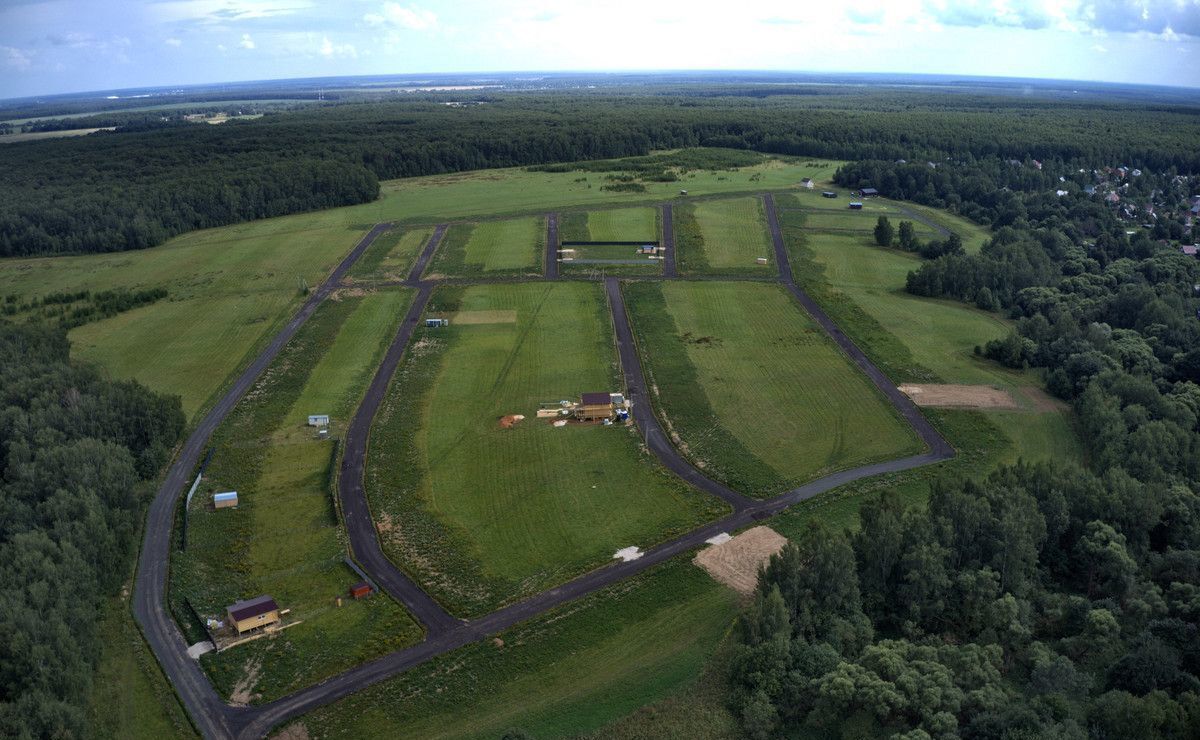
x=482 y=513
x=930 y=335
x=755 y=393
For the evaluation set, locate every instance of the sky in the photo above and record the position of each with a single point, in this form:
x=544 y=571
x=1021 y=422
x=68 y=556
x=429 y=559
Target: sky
x=56 y=46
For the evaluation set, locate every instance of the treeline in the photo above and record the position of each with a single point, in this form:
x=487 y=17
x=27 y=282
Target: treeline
x=76 y=455
x=69 y=310
x=1043 y=602
x=1113 y=318
x=128 y=190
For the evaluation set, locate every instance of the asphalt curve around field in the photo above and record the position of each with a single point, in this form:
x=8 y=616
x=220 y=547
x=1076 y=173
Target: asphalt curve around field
x=212 y=716
x=444 y=633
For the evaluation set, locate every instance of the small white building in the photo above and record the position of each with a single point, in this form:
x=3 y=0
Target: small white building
x=226 y=500
x=318 y=420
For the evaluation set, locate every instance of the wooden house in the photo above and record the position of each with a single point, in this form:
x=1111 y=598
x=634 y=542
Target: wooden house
x=252 y=614
x=360 y=590
x=593 y=406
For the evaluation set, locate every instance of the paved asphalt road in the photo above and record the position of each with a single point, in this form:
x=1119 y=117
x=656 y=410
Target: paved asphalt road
x=551 y=271
x=443 y=632
x=668 y=227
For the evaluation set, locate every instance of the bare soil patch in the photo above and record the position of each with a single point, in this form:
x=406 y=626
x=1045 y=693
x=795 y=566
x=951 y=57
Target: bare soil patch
x=243 y=691
x=294 y=731
x=510 y=421
x=736 y=561
x=498 y=316
x=959 y=396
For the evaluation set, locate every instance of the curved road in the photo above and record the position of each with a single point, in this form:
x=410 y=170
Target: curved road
x=443 y=632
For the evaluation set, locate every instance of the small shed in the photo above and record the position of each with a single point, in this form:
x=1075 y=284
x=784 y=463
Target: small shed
x=435 y=323
x=225 y=500
x=761 y=260
x=683 y=192
x=252 y=614
x=868 y=192
x=828 y=194
x=855 y=206
x=318 y=420
x=361 y=590
x=593 y=406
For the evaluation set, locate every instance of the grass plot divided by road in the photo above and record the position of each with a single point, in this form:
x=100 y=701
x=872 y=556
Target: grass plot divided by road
x=391 y=255
x=488 y=248
x=726 y=236
x=481 y=514
x=227 y=289
x=283 y=538
x=758 y=396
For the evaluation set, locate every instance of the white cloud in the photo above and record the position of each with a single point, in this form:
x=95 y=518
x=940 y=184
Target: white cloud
x=246 y=42
x=16 y=58
x=224 y=11
x=329 y=50
x=1099 y=48
x=396 y=15
x=1169 y=34
x=176 y=43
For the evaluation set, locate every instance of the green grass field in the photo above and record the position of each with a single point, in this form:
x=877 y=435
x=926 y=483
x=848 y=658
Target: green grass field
x=917 y=339
x=511 y=246
x=284 y=538
x=860 y=222
x=391 y=255
x=229 y=288
x=483 y=515
x=973 y=235
x=570 y=671
x=760 y=397
x=623 y=224
x=723 y=236
x=130 y=696
x=232 y=287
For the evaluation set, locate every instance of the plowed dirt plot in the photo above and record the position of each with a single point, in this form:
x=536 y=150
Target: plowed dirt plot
x=959 y=396
x=751 y=388
x=489 y=514
x=736 y=562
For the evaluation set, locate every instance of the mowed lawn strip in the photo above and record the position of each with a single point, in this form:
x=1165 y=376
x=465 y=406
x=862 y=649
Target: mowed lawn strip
x=483 y=515
x=742 y=363
x=734 y=235
x=284 y=539
x=510 y=245
x=623 y=224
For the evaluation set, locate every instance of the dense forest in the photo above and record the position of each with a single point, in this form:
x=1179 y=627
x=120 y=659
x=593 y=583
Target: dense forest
x=139 y=185
x=76 y=454
x=1045 y=601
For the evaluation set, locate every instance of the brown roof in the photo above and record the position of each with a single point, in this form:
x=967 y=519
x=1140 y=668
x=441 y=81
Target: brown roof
x=596 y=399
x=252 y=607
x=360 y=587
